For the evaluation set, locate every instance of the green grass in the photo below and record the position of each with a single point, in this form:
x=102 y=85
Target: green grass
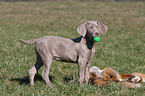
x=122 y=48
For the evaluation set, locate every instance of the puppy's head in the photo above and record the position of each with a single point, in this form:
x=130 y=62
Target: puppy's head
x=96 y=71
x=92 y=29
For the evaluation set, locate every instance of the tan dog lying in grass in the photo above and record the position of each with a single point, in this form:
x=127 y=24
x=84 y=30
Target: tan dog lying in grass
x=105 y=76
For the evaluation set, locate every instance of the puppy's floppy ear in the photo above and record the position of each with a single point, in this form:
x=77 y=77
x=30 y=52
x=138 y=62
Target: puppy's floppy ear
x=102 y=28
x=82 y=29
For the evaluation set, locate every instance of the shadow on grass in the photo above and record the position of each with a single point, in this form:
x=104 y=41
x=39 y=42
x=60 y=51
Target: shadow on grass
x=67 y=79
x=25 y=80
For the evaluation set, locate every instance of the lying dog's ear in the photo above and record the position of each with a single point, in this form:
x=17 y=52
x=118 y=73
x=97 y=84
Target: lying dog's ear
x=102 y=28
x=82 y=29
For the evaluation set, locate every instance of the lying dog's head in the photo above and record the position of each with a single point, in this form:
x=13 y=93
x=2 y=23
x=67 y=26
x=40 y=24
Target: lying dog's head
x=92 y=29
x=96 y=71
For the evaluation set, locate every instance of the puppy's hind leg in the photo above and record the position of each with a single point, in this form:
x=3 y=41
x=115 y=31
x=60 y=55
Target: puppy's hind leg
x=34 y=69
x=47 y=61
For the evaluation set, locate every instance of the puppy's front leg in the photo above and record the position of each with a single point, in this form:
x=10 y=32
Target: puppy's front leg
x=87 y=75
x=81 y=72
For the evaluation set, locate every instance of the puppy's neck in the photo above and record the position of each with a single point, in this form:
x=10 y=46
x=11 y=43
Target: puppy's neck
x=89 y=42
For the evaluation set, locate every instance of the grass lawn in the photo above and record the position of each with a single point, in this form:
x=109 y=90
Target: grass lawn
x=122 y=48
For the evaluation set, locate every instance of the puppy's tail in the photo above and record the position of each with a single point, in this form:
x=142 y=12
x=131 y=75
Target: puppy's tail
x=30 y=41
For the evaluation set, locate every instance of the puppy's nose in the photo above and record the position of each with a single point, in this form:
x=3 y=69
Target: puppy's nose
x=97 y=34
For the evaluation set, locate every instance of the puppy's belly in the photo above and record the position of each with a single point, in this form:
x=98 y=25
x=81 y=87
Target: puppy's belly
x=66 y=59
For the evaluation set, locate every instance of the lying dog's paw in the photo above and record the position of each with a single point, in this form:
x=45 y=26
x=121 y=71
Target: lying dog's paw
x=135 y=79
x=138 y=85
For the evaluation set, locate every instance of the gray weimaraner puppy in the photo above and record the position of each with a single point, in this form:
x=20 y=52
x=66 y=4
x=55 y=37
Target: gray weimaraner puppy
x=80 y=50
